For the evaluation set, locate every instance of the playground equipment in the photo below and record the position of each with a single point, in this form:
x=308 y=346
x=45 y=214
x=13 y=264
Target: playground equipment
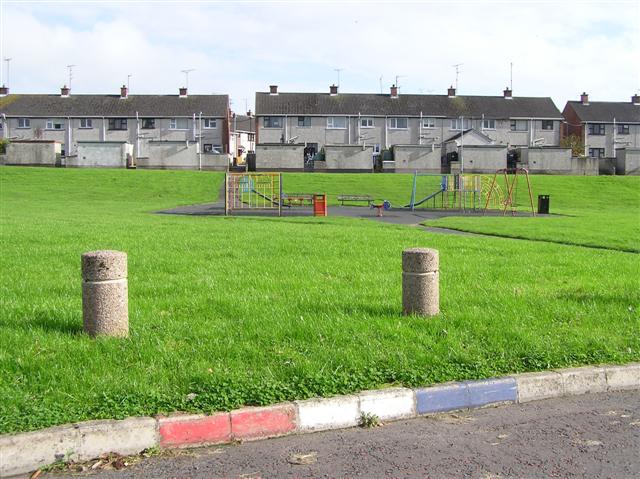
x=456 y=192
x=510 y=200
x=253 y=191
x=463 y=192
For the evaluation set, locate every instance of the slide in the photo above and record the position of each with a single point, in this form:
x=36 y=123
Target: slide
x=418 y=203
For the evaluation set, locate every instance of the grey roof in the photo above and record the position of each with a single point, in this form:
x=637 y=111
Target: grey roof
x=409 y=105
x=114 y=106
x=606 y=111
x=243 y=123
x=480 y=134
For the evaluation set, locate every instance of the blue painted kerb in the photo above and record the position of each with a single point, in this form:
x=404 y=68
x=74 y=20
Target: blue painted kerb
x=465 y=395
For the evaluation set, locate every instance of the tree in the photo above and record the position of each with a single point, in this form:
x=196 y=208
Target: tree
x=575 y=143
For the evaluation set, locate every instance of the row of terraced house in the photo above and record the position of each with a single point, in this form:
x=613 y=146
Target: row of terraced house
x=330 y=131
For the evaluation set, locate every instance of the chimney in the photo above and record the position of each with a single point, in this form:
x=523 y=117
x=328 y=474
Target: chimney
x=635 y=99
x=124 y=92
x=508 y=94
x=394 y=91
x=4 y=90
x=273 y=89
x=333 y=90
x=584 y=98
x=64 y=91
x=451 y=92
x=249 y=113
x=183 y=92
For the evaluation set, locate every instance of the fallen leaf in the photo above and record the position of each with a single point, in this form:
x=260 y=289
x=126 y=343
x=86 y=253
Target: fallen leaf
x=309 y=458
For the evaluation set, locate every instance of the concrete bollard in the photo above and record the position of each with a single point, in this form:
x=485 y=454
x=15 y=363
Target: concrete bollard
x=420 y=282
x=105 y=305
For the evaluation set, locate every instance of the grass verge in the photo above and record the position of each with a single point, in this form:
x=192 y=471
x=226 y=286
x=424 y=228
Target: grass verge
x=232 y=311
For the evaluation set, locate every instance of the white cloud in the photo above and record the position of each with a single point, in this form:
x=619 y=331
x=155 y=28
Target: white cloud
x=558 y=48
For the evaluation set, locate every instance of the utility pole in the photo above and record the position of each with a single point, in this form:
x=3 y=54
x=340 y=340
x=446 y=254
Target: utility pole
x=129 y=82
x=381 y=77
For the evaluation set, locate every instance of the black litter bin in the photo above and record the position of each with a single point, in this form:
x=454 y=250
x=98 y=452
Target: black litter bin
x=543 y=204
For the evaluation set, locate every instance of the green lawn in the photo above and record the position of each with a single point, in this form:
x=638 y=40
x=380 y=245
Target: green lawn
x=256 y=311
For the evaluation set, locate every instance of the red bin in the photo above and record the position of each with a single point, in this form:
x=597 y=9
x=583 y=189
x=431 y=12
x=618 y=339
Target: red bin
x=320 y=205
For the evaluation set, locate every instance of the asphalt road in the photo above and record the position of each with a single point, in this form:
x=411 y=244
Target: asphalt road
x=595 y=435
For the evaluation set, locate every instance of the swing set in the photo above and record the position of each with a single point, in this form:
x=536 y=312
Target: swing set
x=509 y=201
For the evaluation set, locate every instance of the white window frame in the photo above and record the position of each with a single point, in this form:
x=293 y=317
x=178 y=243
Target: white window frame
x=51 y=123
x=456 y=122
x=173 y=124
x=553 y=125
x=393 y=123
x=367 y=122
x=331 y=123
x=428 y=123
x=210 y=123
x=488 y=121
x=518 y=122
x=24 y=123
x=305 y=118
x=88 y=123
x=280 y=119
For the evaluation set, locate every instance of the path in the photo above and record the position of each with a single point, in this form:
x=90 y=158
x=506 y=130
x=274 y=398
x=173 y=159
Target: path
x=594 y=435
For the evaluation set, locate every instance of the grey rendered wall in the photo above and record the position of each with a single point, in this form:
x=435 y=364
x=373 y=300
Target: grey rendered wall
x=409 y=158
x=169 y=155
x=215 y=162
x=98 y=155
x=278 y=157
x=484 y=159
x=557 y=161
x=32 y=154
x=628 y=161
x=348 y=158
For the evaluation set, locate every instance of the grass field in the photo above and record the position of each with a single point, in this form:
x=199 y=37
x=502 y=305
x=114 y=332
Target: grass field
x=260 y=310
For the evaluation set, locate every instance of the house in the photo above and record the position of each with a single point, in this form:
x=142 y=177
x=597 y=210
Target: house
x=164 y=131
x=386 y=121
x=243 y=136
x=609 y=130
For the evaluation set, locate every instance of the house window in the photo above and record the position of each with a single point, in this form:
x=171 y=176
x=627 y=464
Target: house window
x=519 y=125
x=148 y=123
x=488 y=124
x=210 y=123
x=456 y=124
x=428 y=123
x=24 y=123
x=336 y=122
x=86 y=123
x=272 y=122
x=53 y=125
x=211 y=148
x=366 y=122
x=117 y=123
x=547 y=124
x=251 y=136
x=304 y=122
x=178 y=123
x=376 y=149
x=398 y=123
x=623 y=129
x=596 y=129
x=596 y=152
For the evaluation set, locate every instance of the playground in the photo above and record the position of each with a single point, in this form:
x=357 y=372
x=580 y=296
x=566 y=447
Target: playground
x=264 y=194
x=237 y=310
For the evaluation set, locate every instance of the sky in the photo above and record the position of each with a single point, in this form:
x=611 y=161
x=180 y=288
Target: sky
x=556 y=48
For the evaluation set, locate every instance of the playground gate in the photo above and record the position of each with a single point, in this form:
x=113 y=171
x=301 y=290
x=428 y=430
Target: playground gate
x=253 y=192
